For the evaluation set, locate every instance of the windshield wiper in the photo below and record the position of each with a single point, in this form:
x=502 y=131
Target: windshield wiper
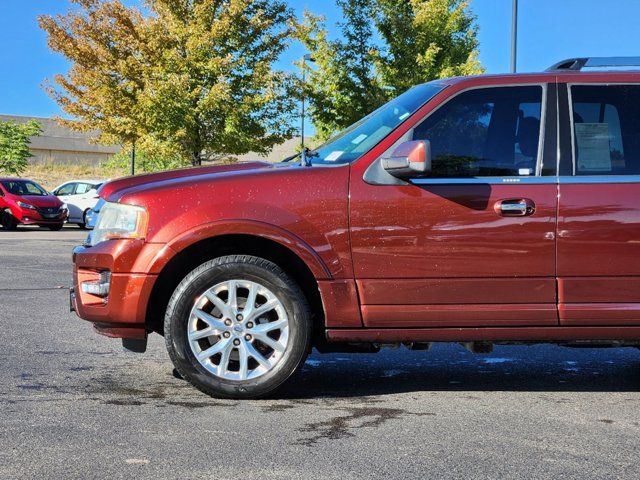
x=291 y=157
x=305 y=155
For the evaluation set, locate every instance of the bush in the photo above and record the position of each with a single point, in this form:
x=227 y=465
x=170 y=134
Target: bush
x=14 y=145
x=145 y=161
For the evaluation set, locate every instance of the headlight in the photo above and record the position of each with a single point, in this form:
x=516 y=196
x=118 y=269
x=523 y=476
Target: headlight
x=26 y=205
x=117 y=221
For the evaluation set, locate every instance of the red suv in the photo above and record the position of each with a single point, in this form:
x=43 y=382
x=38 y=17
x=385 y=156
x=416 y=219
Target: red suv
x=480 y=210
x=27 y=203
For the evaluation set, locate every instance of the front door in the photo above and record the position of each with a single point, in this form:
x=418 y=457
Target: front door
x=473 y=244
x=599 y=211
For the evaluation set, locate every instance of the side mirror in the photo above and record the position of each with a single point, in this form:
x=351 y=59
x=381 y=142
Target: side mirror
x=410 y=159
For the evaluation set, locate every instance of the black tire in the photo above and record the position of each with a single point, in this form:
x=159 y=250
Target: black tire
x=83 y=225
x=7 y=220
x=56 y=228
x=222 y=269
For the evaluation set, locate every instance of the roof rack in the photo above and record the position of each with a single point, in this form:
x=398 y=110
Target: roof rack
x=577 y=64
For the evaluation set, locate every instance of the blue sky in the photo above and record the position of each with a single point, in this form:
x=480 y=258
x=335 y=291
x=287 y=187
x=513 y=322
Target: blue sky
x=549 y=30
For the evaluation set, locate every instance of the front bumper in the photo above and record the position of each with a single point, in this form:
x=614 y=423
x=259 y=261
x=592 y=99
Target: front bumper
x=43 y=223
x=37 y=217
x=121 y=314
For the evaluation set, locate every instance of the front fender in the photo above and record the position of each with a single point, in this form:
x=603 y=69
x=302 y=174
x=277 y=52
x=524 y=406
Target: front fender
x=246 y=227
x=303 y=209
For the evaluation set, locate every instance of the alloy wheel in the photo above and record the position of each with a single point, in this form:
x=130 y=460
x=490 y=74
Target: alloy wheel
x=238 y=330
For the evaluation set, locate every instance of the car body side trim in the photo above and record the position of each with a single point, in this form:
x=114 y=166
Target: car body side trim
x=600 y=179
x=569 y=180
x=485 y=180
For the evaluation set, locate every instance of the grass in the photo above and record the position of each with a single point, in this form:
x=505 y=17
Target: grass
x=52 y=175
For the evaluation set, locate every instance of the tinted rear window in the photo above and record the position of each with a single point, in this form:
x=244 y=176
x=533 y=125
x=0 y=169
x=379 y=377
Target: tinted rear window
x=606 y=129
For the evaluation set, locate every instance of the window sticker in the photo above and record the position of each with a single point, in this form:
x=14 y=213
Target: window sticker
x=525 y=171
x=333 y=156
x=359 y=138
x=403 y=116
x=592 y=145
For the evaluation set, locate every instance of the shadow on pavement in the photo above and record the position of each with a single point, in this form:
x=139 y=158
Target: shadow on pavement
x=542 y=368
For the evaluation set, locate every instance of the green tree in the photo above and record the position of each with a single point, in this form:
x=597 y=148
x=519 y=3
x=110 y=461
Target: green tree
x=194 y=75
x=386 y=47
x=14 y=145
x=343 y=87
x=425 y=40
x=148 y=159
x=105 y=43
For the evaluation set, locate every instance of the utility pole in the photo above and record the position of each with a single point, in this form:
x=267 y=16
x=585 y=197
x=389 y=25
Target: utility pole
x=514 y=35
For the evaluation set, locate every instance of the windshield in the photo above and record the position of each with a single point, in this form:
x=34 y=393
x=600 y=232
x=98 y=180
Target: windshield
x=363 y=135
x=24 y=187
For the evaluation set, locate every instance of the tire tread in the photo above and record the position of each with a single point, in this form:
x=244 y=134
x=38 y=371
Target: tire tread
x=223 y=261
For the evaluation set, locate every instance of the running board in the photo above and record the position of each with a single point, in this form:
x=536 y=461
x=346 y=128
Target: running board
x=520 y=334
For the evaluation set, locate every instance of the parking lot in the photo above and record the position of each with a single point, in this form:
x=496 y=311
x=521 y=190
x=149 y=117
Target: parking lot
x=75 y=405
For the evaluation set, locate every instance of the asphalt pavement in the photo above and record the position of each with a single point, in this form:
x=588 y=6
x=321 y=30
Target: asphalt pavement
x=73 y=404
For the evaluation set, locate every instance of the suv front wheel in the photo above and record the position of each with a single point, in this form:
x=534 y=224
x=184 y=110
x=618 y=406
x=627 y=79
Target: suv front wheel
x=237 y=327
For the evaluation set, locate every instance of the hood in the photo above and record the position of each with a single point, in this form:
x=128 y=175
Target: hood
x=42 y=201
x=130 y=183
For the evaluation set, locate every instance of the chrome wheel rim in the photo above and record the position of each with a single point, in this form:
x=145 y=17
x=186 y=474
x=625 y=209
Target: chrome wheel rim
x=238 y=330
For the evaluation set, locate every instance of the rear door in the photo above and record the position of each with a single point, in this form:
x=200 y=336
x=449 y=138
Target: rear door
x=85 y=195
x=599 y=210
x=453 y=249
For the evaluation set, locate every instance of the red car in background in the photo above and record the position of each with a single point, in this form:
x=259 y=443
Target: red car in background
x=25 y=202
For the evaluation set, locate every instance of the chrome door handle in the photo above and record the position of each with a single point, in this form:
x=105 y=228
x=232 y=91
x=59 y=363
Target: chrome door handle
x=515 y=207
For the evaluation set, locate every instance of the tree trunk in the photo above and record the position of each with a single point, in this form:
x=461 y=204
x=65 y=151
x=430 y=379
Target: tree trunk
x=196 y=161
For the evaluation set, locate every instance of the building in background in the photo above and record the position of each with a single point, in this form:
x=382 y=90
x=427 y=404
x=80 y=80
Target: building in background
x=61 y=145
x=279 y=152
x=58 y=144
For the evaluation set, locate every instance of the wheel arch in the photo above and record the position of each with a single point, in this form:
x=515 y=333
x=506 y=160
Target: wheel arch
x=306 y=270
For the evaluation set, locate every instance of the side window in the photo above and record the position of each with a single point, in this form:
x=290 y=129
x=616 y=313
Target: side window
x=606 y=129
x=66 y=189
x=83 y=188
x=31 y=189
x=485 y=132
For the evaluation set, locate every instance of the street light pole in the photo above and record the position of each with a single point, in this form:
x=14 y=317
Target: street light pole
x=133 y=158
x=514 y=34
x=306 y=58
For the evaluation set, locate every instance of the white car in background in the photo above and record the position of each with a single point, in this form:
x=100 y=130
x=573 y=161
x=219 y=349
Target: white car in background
x=80 y=197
